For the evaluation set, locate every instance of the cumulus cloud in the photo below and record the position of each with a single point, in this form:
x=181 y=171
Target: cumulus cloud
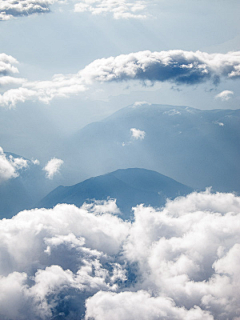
x=137 y=134
x=224 y=95
x=15 y=8
x=10 y=166
x=178 y=262
x=65 y=254
x=120 y=9
x=176 y=66
x=139 y=305
x=53 y=167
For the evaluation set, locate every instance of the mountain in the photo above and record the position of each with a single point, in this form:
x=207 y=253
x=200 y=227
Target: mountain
x=200 y=148
x=130 y=187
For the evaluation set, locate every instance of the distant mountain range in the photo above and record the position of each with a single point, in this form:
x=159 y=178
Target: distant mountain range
x=200 y=148
x=130 y=187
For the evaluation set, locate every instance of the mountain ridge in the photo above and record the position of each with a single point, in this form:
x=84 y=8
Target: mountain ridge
x=130 y=187
x=190 y=145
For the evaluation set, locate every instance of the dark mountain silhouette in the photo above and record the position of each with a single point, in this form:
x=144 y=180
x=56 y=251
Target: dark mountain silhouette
x=130 y=187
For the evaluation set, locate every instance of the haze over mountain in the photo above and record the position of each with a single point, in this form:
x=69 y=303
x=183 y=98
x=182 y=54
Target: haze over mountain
x=200 y=148
x=129 y=187
x=25 y=190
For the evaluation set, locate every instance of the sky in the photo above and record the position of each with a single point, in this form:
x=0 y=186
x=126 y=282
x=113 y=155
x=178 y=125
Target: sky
x=65 y=37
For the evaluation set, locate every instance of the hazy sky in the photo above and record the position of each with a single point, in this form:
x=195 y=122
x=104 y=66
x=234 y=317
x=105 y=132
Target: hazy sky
x=67 y=37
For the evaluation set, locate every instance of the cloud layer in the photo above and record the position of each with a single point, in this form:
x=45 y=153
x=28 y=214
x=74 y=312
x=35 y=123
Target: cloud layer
x=180 y=262
x=176 y=66
x=120 y=9
x=15 y=8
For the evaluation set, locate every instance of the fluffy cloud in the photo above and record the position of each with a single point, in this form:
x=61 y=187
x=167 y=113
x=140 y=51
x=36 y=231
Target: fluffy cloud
x=14 y=8
x=9 y=166
x=224 y=95
x=180 y=262
x=178 y=252
x=182 y=67
x=53 y=167
x=139 y=305
x=64 y=254
x=177 y=66
x=7 y=64
x=137 y=134
x=120 y=9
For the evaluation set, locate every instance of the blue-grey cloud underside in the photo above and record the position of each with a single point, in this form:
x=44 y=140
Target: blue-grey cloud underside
x=176 y=66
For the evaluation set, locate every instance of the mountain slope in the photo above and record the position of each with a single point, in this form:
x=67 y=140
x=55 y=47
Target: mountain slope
x=24 y=191
x=200 y=148
x=130 y=187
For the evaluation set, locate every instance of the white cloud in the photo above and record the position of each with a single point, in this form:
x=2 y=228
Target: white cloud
x=7 y=64
x=102 y=206
x=179 y=249
x=221 y=124
x=139 y=305
x=7 y=67
x=180 y=67
x=9 y=166
x=13 y=96
x=120 y=9
x=14 y=8
x=53 y=167
x=179 y=262
x=140 y=103
x=137 y=134
x=36 y=162
x=224 y=95
x=66 y=251
x=7 y=80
